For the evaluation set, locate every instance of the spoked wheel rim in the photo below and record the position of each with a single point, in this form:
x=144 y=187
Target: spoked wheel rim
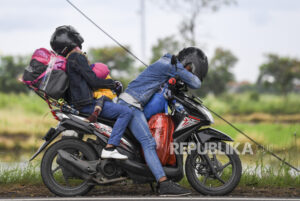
x=223 y=164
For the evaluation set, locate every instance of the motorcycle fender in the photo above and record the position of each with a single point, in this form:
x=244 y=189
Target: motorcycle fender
x=49 y=137
x=211 y=134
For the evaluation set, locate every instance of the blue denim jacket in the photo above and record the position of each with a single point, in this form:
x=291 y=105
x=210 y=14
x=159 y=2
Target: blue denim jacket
x=155 y=75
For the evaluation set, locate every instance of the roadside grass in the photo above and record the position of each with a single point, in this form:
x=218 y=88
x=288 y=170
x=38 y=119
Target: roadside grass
x=244 y=103
x=263 y=176
x=20 y=130
x=248 y=103
x=270 y=177
x=23 y=103
x=28 y=174
x=25 y=132
x=262 y=118
x=276 y=136
x=16 y=122
x=257 y=176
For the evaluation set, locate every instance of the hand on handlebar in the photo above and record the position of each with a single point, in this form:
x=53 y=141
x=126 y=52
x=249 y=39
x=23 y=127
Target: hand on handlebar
x=118 y=87
x=175 y=84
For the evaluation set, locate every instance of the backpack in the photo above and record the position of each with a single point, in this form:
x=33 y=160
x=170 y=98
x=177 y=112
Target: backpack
x=46 y=72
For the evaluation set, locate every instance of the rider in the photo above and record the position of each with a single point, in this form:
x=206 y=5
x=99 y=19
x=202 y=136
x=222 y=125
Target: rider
x=191 y=66
x=66 y=41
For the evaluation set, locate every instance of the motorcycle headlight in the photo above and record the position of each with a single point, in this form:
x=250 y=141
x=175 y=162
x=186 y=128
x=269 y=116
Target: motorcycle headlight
x=206 y=113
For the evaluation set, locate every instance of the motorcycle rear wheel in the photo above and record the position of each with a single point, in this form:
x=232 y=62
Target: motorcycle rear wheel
x=60 y=181
x=201 y=178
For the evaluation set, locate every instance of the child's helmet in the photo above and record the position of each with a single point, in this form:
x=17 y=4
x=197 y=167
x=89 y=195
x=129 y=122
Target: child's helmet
x=196 y=59
x=64 y=39
x=101 y=70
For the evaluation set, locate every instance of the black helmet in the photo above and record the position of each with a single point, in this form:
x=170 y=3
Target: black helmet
x=64 y=39
x=196 y=59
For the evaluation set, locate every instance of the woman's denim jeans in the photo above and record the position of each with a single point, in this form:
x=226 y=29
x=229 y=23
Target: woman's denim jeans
x=139 y=127
x=112 y=110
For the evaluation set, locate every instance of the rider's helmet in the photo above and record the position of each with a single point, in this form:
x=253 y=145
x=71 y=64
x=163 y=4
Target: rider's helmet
x=64 y=39
x=196 y=59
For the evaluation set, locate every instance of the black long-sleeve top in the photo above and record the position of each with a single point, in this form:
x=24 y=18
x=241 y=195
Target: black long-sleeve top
x=83 y=81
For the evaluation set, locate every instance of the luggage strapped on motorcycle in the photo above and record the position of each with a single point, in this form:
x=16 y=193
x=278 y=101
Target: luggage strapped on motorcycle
x=46 y=76
x=60 y=104
x=46 y=72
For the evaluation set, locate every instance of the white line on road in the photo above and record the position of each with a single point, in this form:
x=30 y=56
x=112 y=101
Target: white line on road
x=152 y=198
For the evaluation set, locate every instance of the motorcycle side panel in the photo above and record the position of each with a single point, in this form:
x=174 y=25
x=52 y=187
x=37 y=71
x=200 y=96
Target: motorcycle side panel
x=211 y=134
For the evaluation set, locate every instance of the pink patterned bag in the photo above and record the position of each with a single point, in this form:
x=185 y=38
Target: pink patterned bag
x=46 y=72
x=42 y=61
x=43 y=55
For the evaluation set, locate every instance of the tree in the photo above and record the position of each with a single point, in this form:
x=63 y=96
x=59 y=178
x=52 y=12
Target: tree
x=279 y=73
x=10 y=69
x=219 y=73
x=163 y=46
x=191 y=10
x=117 y=59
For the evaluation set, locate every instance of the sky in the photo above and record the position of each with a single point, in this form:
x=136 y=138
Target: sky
x=250 y=29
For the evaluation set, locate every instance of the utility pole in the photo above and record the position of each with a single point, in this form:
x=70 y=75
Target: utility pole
x=143 y=30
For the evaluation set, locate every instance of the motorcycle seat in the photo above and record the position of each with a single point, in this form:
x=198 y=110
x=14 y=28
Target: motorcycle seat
x=109 y=122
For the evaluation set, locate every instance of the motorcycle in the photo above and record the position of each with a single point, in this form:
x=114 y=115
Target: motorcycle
x=72 y=165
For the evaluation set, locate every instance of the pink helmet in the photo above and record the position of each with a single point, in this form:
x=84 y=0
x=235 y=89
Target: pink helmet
x=101 y=70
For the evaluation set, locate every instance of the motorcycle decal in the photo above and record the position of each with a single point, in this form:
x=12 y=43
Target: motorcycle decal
x=103 y=129
x=194 y=118
x=187 y=122
x=106 y=131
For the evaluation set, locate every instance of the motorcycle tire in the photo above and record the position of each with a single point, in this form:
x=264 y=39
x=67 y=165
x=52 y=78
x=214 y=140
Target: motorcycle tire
x=227 y=187
x=48 y=159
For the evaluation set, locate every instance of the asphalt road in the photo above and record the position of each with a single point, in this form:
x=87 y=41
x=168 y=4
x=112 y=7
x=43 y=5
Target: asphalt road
x=152 y=198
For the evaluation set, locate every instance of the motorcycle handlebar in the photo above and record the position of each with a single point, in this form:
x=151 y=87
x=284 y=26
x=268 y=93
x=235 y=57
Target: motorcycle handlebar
x=176 y=84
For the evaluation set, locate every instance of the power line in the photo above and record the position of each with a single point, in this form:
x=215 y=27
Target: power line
x=259 y=145
x=89 y=19
x=127 y=50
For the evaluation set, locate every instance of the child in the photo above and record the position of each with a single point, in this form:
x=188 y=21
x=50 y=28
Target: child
x=102 y=95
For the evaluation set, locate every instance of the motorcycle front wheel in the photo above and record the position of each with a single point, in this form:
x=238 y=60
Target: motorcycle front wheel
x=226 y=163
x=59 y=180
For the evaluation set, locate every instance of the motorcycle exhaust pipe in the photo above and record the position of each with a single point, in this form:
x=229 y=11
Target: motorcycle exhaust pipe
x=143 y=169
x=80 y=168
x=135 y=167
x=73 y=170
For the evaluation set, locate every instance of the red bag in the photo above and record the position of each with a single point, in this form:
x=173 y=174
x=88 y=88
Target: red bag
x=162 y=128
